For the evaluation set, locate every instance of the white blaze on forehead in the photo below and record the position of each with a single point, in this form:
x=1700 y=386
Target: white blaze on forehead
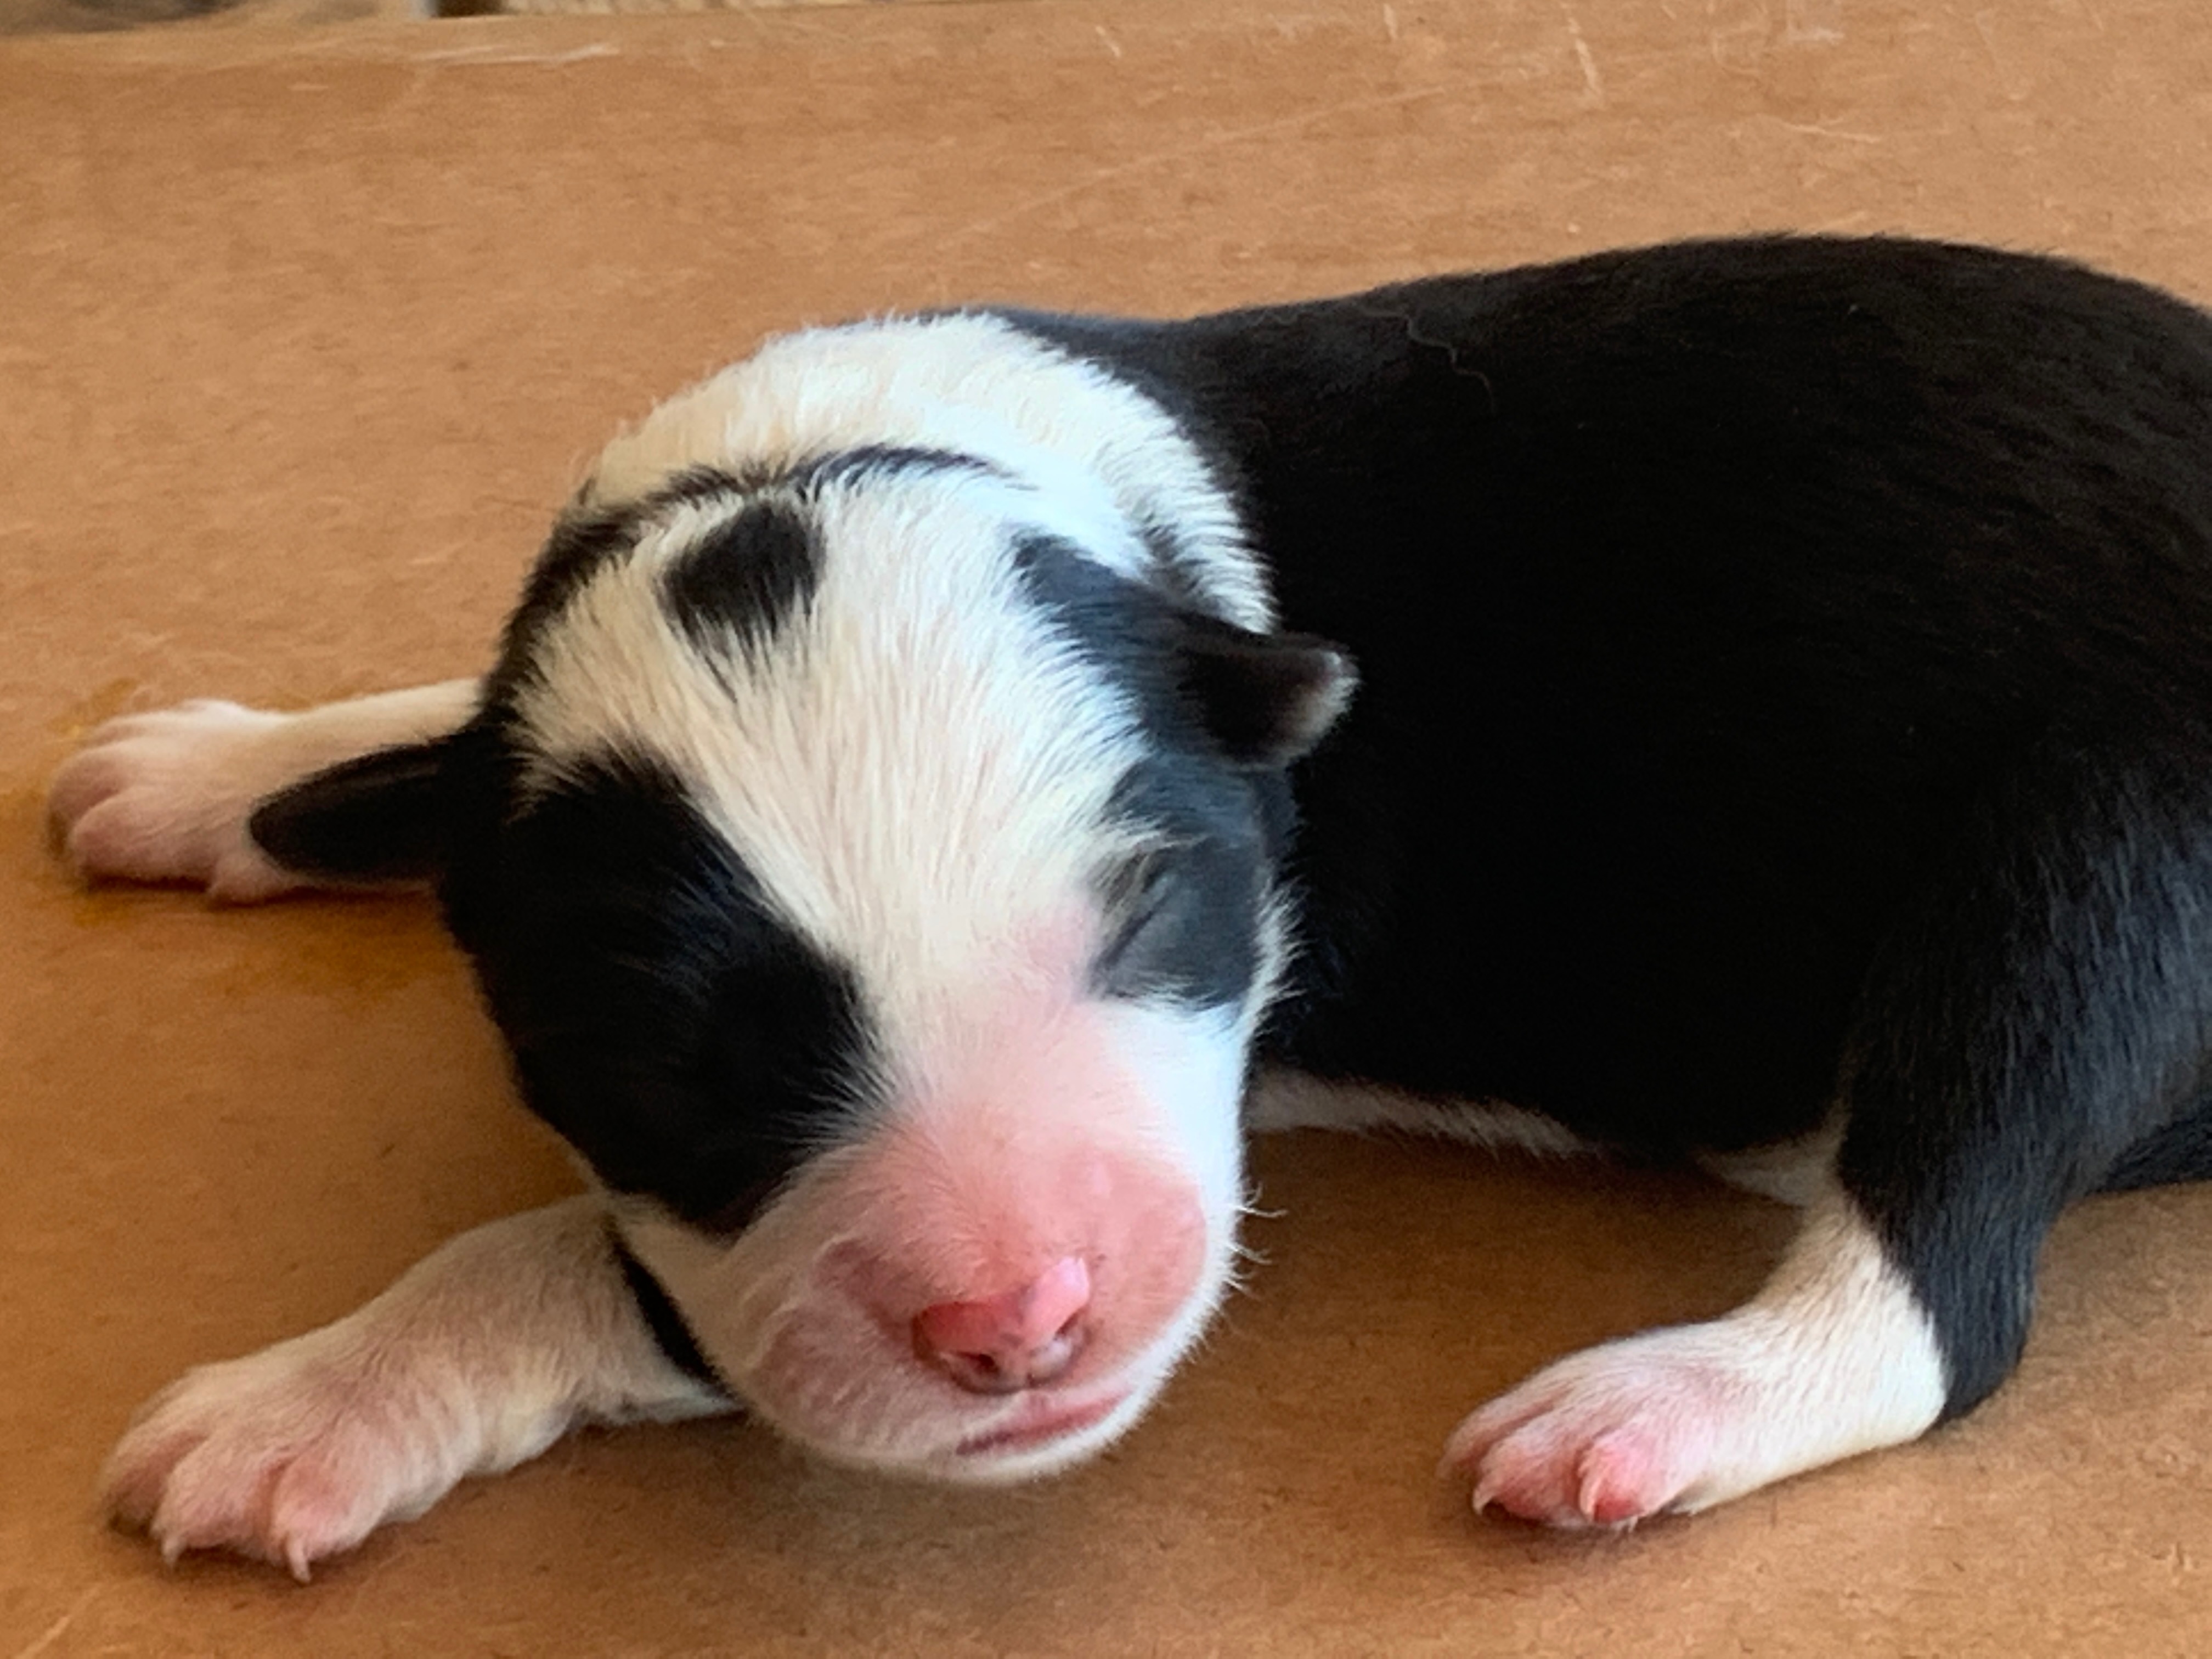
x=971 y=385
x=915 y=766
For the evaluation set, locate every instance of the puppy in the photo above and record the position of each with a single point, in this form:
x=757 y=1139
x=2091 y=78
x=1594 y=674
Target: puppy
x=923 y=780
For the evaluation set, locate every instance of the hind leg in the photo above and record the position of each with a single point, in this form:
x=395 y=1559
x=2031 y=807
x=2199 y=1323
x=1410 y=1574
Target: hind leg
x=2047 y=1011
x=172 y=795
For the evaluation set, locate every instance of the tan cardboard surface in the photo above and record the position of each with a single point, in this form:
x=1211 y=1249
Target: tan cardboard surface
x=301 y=334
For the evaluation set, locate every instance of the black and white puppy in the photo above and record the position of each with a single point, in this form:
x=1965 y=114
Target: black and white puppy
x=923 y=780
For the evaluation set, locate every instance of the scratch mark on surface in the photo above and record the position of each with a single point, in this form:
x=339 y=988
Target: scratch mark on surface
x=470 y=56
x=53 y=1632
x=1848 y=137
x=1593 y=83
x=1813 y=23
x=1390 y=22
x=1205 y=146
x=1109 y=42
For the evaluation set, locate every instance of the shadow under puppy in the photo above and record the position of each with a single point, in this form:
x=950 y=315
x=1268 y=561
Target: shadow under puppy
x=924 y=778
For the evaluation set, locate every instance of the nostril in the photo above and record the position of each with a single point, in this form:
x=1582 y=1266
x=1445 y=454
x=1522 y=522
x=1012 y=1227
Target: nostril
x=1010 y=1373
x=1014 y=1341
x=979 y=1373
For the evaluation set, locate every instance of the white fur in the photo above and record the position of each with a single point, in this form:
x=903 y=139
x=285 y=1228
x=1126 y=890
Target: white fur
x=1284 y=1100
x=1798 y=1173
x=478 y=1358
x=972 y=384
x=1833 y=1358
x=167 y=796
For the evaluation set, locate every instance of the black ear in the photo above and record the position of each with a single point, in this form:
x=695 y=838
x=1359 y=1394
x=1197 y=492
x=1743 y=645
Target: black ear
x=379 y=818
x=1266 y=698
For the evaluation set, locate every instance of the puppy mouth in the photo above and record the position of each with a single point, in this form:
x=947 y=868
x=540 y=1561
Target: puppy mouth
x=1038 y=1423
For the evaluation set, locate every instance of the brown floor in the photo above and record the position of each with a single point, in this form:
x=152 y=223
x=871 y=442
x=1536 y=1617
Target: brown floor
x=303 y=333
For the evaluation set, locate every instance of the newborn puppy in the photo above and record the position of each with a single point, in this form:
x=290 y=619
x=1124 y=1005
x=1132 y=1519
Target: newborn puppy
x=924 y=779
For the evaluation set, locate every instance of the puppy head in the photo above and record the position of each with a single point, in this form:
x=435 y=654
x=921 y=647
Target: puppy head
x=873 y=873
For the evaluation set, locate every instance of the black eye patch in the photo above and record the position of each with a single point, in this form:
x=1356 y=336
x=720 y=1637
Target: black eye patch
x=1182 y=925
x=686 y=1041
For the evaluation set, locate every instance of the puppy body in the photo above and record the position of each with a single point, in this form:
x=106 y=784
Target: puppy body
x=914 y=791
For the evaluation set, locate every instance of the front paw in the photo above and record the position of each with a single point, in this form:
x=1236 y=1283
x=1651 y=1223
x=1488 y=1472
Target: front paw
x=1612 y=1436
x=166 y=796
x=288 y=1455
x=1833 y=1358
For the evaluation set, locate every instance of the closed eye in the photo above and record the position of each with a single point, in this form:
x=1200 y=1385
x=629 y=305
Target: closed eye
x=1177 y=922
x=1133 y=893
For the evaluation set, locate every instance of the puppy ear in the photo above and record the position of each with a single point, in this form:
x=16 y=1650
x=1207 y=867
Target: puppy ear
x=377 y=818
x=1266 y=699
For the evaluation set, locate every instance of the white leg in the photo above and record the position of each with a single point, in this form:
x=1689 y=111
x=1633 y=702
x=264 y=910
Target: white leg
x=167 y=796
x=479 y=1357
x=1281 y=1099
x=1834 y=1356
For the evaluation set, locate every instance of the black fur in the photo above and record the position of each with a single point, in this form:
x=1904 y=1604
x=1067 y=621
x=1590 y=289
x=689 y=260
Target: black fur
x=874 y=463
x=379 y=818
x=1183 y=920
x=746 y=576
x=662 y=1317
x=1786 y=671
x=643 y=988
x=1264 y=698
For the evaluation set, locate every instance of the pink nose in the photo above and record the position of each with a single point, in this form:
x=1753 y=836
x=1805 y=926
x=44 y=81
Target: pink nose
x=1003 y=1344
